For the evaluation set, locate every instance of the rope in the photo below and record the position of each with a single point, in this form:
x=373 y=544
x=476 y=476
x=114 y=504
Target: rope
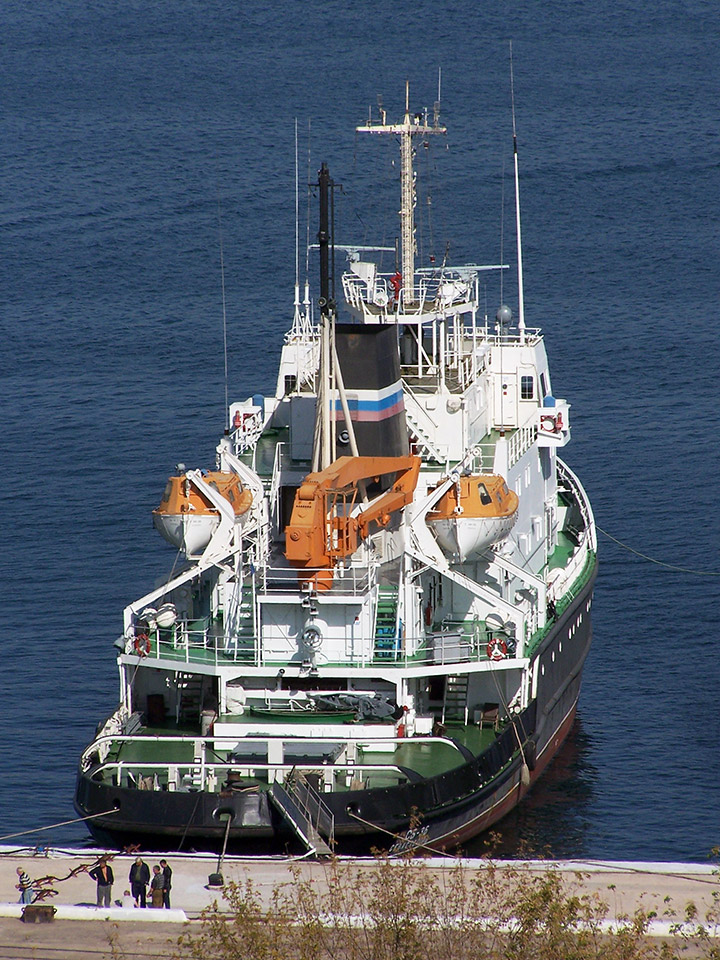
x=227 y=834
x=397 y=836
x=615 y=867
x=187 y=825
x=65 y=823
x=513 y=720
x=660 y=563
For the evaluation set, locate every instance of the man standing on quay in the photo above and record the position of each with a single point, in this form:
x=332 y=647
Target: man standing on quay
x=104 y=876
x=139 y=879
x=167 y=874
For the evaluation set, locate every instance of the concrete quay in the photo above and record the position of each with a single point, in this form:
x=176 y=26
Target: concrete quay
x=83 y=930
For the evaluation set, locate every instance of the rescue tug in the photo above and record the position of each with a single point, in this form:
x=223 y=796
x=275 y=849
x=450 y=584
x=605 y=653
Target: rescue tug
x=379 y=633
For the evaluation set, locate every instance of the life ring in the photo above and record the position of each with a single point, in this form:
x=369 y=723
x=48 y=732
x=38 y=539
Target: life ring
x=554 y=424
x=497 y=649
x=142 y=644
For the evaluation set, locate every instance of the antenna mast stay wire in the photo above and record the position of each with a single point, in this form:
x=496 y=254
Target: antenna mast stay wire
x=224 y=314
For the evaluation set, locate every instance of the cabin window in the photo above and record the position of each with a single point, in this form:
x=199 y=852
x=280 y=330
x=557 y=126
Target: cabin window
x=527 y=387
x=485 y=497
x=543 y=385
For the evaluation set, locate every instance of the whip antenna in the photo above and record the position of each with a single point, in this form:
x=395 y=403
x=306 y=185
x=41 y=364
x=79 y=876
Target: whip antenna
x=521 y=296
x=224 y=315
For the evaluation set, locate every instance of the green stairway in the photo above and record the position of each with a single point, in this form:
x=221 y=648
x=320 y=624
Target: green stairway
x=241 y=646
x=386 y=624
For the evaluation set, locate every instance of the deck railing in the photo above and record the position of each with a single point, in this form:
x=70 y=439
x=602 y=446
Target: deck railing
x=200 y=774
x=352 y=581
x=460 y=642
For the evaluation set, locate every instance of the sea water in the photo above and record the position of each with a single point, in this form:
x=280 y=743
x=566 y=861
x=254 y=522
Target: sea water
x=140 y=140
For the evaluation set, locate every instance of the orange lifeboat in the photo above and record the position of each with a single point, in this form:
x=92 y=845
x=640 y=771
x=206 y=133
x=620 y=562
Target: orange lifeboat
x=186 y=518
x=477 y=511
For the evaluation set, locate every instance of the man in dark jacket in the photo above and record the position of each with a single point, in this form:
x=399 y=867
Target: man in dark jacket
x=167 y=874
x=139 y=879
x=103 y=874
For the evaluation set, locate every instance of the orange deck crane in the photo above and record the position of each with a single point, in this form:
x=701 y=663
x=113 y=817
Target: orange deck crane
x=327 y=523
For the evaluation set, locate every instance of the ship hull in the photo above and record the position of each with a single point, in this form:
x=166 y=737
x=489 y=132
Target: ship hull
x=440 y=813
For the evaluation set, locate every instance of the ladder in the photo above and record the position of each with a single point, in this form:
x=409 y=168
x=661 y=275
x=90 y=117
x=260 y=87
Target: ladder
x=386 y=623
x=241 y=644
x=189 y=694
x=305 y=812
x=455 y=700
x=424 y=442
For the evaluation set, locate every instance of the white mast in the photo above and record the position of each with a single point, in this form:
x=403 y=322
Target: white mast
x=296 y=319
x=416 y=126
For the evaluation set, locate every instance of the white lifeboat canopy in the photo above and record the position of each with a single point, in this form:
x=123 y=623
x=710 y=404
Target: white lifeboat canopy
x=476 y=512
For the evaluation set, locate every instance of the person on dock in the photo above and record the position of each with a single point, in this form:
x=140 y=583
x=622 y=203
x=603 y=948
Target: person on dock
x=157 y=887
x=25 y=886
x=103 y=874
x=167 y=886
x=139 y=879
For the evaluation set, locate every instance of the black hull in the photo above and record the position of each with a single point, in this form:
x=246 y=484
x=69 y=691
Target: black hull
x=441 y=812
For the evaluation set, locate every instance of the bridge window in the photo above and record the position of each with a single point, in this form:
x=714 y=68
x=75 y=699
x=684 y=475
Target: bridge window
x=527 y=387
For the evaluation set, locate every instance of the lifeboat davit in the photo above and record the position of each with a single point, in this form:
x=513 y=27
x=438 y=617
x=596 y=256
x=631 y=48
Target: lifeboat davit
x=477 y=511
x=186 y=517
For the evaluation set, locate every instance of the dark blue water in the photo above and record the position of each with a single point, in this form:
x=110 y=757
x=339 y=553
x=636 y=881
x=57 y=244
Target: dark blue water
x=129 y=132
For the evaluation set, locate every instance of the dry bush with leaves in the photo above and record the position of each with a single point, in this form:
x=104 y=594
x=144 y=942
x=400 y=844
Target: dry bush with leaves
x=407 y=910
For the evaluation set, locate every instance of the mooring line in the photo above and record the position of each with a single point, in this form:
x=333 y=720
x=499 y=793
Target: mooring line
x=65 y=823
x=397 y=836
x=660 y=563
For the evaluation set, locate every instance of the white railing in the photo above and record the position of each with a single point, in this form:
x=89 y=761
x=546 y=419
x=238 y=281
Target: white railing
x=436 y=293
x=566 y=474
x=246 y=429
x=204 y=775
x=353 y=581
x=275 y=483
x=212 y=648
x=520 y=442
x=424 y=426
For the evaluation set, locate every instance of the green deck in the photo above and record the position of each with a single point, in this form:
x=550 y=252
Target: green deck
x=560 y=556
x=423 y=756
